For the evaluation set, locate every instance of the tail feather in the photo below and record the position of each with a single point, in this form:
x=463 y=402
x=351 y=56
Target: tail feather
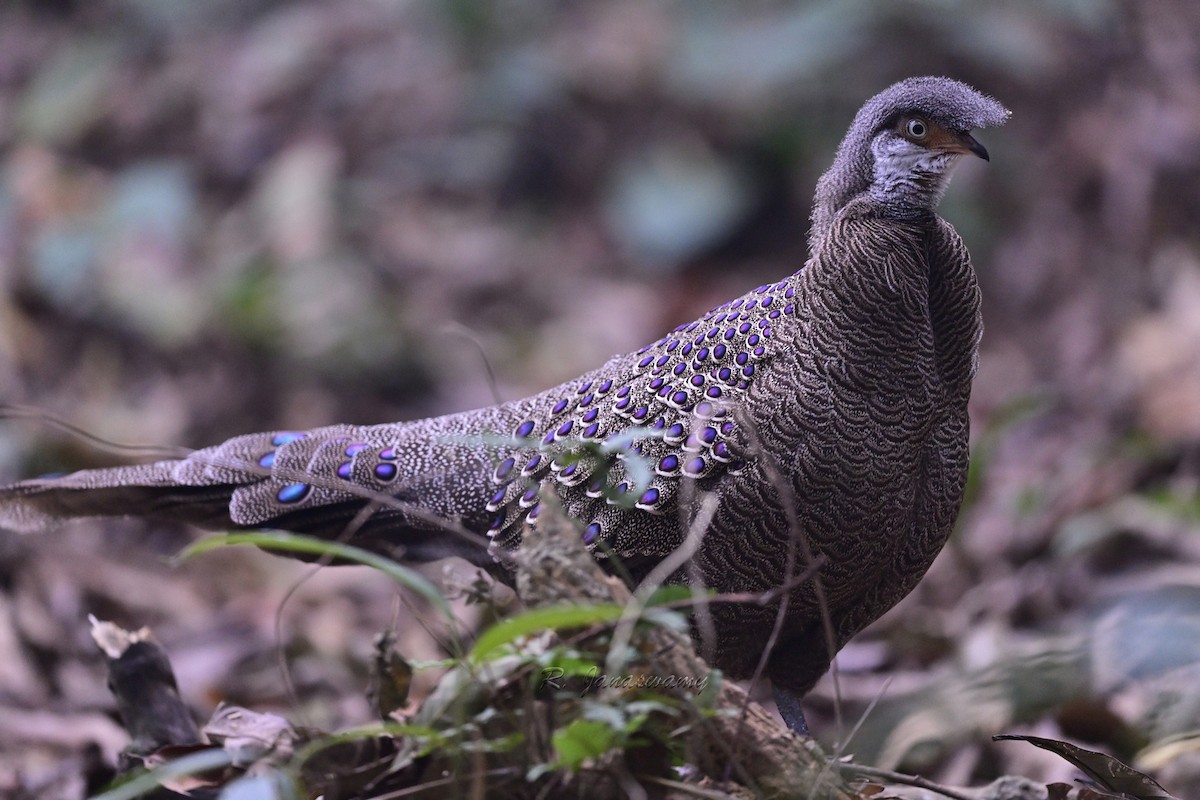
x=147 y=490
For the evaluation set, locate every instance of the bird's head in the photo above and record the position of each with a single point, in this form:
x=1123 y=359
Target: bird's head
x=901 y=146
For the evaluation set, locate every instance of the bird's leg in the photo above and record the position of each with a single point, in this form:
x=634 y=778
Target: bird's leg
x=791 y=710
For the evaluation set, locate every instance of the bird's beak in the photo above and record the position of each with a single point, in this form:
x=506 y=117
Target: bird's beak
x=965 y=143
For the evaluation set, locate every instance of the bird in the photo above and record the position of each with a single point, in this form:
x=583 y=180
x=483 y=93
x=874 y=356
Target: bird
x=826 y=412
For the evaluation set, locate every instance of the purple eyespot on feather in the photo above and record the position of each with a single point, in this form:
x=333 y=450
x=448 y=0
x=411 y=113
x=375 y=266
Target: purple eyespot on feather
x=668 y=464
x=591 y=533
x=288 y=436
x=354 y=449
x=584 y=388
x=591 y=414
x=345 y=469
x=604 y=387
x=524 y=429
x=385 y=471
x=267 y=460
x=591 y=430
x=649 y=497
x=695 y=466
x=504 y=467
x=388 y=454
x=719 y=351
x=292 y=492
x=560 y=406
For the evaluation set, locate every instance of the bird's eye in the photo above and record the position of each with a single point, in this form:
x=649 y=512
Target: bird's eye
x=916 y=128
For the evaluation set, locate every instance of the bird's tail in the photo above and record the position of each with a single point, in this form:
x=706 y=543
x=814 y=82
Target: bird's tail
x=318 y=482
x=232 y=484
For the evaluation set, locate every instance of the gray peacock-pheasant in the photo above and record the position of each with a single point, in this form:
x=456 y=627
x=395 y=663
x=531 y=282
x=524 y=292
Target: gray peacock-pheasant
x=827 y=412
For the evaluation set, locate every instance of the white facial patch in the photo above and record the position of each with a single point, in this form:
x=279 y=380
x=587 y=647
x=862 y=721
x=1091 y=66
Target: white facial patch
x=908 y=173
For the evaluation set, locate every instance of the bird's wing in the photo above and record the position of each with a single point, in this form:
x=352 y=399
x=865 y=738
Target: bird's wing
x=613 y=445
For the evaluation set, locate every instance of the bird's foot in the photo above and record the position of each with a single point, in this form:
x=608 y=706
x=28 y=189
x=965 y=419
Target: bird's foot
x=791 y=711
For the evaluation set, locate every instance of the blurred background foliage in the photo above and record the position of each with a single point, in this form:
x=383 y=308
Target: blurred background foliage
x=231 y=215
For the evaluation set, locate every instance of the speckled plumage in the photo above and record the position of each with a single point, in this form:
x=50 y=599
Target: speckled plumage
x=830 y=405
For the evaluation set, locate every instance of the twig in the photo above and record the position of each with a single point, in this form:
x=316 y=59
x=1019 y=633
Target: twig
x=686 y=788
x=899 y=777
x=663 y=570
x=13 y=411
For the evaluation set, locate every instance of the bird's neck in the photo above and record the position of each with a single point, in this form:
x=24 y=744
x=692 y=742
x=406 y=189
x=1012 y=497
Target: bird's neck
x=902 y=185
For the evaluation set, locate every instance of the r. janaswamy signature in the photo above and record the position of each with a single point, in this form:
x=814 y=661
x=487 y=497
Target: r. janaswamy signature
x=556 y=678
